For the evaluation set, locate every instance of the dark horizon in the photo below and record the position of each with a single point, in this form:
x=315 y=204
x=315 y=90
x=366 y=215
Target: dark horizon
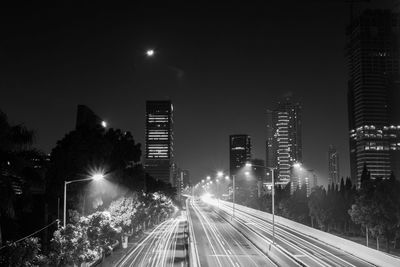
x=222 y=68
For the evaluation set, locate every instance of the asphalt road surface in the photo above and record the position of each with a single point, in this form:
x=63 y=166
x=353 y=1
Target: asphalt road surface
x=218 y=243
x=164 y=246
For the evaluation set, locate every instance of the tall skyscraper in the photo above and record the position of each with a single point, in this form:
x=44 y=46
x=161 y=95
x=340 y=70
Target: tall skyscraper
x=284 y=139
x=333 y=165
x=373 y=88
x=159 y=140
x=239 y=155
x=239 y=152
x=86 y=118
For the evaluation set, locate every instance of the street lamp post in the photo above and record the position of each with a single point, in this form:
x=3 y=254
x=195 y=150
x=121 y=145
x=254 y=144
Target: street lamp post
x=273 y=203
x=233 y=195
x=273 y=197
x=219 y=175
x=95 y=177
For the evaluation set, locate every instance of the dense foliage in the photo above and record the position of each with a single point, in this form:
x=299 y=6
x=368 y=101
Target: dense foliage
x=24 y=253
x=94 y=235
x=17 y=174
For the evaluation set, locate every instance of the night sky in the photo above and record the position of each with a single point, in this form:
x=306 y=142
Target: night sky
x=222 y=66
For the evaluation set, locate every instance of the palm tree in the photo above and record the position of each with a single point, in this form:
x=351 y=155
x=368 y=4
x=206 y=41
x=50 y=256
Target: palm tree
x=15 y=142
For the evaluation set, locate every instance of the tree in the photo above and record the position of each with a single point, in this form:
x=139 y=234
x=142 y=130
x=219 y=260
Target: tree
x=123 y=211
x=15 y=144
x=317 y=204
x=101 y=231
x=23 y=253
x=376 y=206
x=296 y=206
x=70 y=245
x=84 y=151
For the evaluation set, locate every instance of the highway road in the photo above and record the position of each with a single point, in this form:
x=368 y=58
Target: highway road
x=164 y=246
x=218 y=243
x=304 y=249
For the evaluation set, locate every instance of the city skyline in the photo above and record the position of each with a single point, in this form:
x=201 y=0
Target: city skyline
x=269 y=68
x=198 y=134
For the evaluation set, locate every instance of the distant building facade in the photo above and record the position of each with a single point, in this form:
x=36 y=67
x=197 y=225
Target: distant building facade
x=177 y=180
x=333 y=165
x=258 y=176
x=85 y=117
x=159 y=152
x=239 y=155
x=239 y=152
x=374 y=94
x=284 y=139
x=186 y=178
x=303 y=178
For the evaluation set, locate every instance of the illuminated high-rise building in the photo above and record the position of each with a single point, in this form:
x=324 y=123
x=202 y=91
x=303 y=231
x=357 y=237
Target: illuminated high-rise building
x=333 y=166
x=239 y=152
x=284 y=139
x=159 y=140
x=239 y=155
x=374 y=93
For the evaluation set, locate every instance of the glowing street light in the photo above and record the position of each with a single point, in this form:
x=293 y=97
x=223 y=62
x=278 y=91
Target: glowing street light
x=220 y=174
x=150 y=53
x=95 y=177
x=104 y=124
x=297 y=165
x=208 y=178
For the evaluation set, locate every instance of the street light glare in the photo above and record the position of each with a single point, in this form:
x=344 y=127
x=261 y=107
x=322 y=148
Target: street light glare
x=247 y=173
x=208 y=177
x=227 y=177
x=220 y=174
x=97 y=176
x=248 y=164
x=104 y=124
x=297 y=165
x=150 y=52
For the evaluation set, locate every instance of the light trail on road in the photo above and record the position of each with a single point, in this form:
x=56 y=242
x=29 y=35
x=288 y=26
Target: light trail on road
x=306 y=250
x=162 y=247
x=218 y=243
